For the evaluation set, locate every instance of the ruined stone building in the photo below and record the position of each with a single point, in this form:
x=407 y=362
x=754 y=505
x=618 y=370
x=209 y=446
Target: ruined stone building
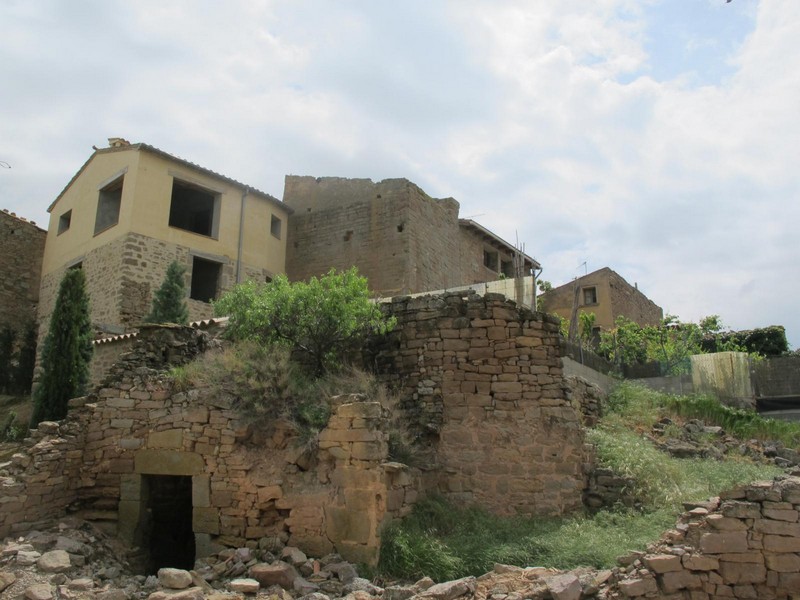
x=606 y=294
x=400 y=238
x=21 y=250
x=131 y=209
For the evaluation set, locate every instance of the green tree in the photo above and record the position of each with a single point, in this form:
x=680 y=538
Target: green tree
x=544 y=287
x=169 y=301
x=67 y=351
x=7 y=337
x=26 y=360
x=323 y=318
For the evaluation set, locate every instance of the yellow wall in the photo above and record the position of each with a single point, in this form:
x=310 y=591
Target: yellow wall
x=148 y=181
x=81 y=197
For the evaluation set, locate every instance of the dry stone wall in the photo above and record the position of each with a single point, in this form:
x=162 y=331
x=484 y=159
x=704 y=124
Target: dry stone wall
x=744 y=544
x=482 y=385
x=248 y=482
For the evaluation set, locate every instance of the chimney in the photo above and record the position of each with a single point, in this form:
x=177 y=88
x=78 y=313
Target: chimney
x=117 y=142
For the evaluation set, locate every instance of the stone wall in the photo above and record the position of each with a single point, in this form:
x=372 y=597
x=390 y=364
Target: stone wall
x=247 y=481
x=628 y=301
x=402 y=240
x=482 y=386
x=21 y=252
x=744 y=544
x=122 y=275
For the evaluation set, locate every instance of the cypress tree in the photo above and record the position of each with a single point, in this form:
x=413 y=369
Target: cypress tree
x=169 y=301
x=67 y=351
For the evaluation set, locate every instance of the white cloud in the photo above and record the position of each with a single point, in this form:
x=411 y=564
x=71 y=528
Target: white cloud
x=654 y=137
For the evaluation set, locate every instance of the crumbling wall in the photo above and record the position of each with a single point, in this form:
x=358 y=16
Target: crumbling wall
x=482 y=384
x=248 y=481
x=744 y=544
x=21 y=252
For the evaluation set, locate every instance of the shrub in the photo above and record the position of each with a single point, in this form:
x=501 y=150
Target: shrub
x=324 y=319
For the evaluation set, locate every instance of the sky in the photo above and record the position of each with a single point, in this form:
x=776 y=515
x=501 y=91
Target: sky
x=660 y=138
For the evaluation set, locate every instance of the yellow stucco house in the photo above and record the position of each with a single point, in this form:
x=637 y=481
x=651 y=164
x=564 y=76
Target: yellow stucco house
x=131 y=209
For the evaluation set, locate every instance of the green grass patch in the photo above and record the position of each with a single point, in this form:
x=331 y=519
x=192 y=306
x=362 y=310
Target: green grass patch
x=665 y=482
x=636 y=406
x=445 y=541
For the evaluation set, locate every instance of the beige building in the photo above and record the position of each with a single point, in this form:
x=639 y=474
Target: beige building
x=400 y=238
x=606 y=294
x=131 y=209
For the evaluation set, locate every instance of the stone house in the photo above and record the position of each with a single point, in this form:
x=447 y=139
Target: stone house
x=606 y=294
x=131 y=209
x=21 y=250
x=400 y=238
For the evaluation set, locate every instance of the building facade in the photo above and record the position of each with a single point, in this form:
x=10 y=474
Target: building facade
x=400 y=238
x=606 y=294
x=132 y=209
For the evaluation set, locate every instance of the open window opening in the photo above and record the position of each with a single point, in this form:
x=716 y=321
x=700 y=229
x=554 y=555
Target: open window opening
x=194 y=209
x=275 y=227
x=64 y=221
x=507 y=268
x=590 y=295
x=168 y=537
x=490 y=260
x=108 y=203
x=205 y=279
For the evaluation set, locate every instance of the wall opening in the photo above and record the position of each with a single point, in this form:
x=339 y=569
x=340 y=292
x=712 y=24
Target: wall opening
x=275 y=227
x=205 y=279
x=108 y=203
x=64 y=222
x=167 y=536
x=490 y=259
x=194 y=209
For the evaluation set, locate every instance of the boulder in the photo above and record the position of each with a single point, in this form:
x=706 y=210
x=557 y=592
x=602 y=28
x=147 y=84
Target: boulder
x=280 y=573
x=450 y=589
x=174 y=579
x=55 y=561
x=564 y=587
x=245 y=586
x=192 y=593
x=39 y=591
x=6 y=579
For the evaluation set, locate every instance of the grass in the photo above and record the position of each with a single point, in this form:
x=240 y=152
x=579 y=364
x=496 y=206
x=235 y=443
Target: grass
x=445 y=541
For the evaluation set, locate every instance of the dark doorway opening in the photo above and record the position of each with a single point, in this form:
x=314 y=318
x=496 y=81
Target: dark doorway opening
x=168 y=531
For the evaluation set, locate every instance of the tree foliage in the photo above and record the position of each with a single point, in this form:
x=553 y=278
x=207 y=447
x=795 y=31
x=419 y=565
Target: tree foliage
x=67 y=351
x=169 y=301
x=323 y=318
x=670 y=343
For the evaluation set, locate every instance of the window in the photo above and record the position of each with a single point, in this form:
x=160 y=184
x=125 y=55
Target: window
x=64 y=221
x=194 y=209
x=507 y=268
x=490 y=260
x=590 y=295
x=275 y=227
x=108 y=203
x=205 y=279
